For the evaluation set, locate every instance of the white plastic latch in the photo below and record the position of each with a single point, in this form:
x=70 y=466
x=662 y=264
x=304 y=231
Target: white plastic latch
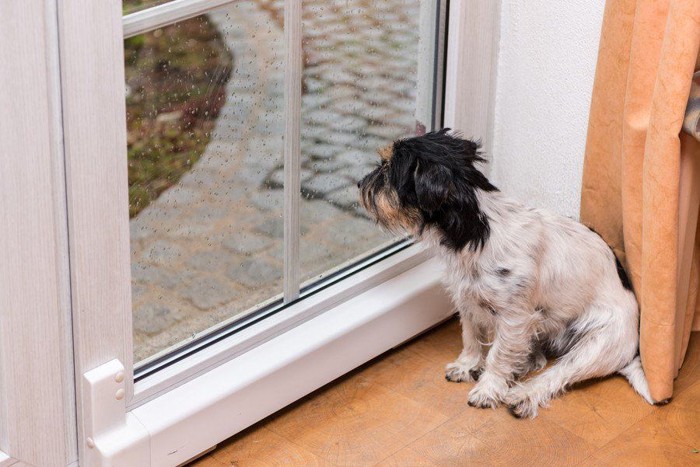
x=113 y=437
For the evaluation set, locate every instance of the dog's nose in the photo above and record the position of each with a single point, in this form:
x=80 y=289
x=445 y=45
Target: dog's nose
x=358 y=183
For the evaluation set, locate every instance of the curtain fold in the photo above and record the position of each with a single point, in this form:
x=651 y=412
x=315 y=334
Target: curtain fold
x=633 y=192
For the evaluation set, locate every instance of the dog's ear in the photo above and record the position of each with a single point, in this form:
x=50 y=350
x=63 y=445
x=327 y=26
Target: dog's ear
x=401 y=165
x=432 y=182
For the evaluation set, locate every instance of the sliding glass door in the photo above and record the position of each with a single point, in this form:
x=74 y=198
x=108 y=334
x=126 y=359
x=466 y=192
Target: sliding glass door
x=242 y=196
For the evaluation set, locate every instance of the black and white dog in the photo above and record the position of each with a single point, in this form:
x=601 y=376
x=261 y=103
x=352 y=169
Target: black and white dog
x=529 y=285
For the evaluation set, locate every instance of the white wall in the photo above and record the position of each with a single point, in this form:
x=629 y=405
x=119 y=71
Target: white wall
x=545 y=71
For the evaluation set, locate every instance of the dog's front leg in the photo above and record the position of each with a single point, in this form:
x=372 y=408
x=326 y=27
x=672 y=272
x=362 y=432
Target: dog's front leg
x=507 y=356
x=468 y=365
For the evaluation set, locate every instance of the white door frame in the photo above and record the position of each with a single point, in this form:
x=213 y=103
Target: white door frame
x=470 y=82
x=37 y=404
x=94 y=109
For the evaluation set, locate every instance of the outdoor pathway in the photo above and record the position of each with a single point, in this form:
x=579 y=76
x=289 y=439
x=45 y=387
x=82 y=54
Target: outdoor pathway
x=211 y=246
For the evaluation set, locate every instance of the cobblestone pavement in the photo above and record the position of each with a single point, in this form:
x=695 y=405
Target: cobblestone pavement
x=211 y=246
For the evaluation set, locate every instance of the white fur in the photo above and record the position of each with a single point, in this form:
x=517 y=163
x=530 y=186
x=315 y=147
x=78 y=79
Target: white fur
x=559 y=275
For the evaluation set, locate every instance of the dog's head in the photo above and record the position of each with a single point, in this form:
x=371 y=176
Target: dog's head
x=427 y=181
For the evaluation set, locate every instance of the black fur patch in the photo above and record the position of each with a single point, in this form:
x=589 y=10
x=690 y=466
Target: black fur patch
x=475 y=373
x=621 y=273
x=555 y=349
x=515 y=411
x=487 y=306
x=503 y=272
x=571 y=336
x=435 y=173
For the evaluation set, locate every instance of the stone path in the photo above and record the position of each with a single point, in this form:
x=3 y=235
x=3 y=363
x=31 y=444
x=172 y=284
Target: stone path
x=210 y=247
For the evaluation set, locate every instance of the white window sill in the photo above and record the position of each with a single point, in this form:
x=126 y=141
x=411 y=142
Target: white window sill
x=184 y=421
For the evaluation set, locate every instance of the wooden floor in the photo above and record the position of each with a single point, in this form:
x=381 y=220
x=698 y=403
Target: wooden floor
x=398 y=410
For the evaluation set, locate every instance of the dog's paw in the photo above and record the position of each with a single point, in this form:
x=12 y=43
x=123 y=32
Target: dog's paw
x=525 y=408
x=488 y=393
x=520 y=403
x=458 y=372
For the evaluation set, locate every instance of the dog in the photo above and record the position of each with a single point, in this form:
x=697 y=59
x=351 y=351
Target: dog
x=528 y=285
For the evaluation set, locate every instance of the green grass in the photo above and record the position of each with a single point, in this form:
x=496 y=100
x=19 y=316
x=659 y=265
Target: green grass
x=130 y=6
x=176 y=77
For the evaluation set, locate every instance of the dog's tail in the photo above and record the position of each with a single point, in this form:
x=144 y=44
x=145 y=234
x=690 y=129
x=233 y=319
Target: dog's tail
x=635 y=375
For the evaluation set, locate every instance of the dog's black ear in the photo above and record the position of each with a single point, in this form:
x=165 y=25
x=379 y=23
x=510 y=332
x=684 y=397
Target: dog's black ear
x=432 y=182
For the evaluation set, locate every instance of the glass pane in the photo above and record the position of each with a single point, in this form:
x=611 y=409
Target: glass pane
x=362 y=89
x=205 y=129
x=131 y=6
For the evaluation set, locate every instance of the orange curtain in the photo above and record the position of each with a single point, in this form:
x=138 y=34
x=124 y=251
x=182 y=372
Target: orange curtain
x=632 y=190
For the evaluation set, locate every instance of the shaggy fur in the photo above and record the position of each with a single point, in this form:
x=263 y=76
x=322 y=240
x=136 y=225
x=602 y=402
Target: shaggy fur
x=528 y=285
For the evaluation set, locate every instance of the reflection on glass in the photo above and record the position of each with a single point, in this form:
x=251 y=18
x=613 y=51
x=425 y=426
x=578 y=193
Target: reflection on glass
x=205 y=144
x=131 y=6
x=204 y=115
x=361 y=91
